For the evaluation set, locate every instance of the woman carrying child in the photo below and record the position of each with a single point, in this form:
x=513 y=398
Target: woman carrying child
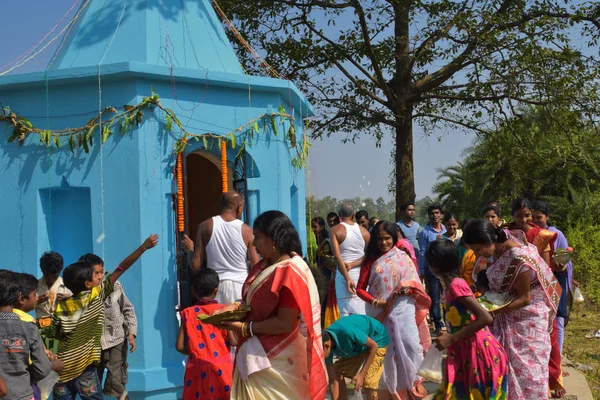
x=477 y=364
x=209 y=369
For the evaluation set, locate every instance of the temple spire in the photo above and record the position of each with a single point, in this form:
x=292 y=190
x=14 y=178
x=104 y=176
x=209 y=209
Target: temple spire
x=171 y=33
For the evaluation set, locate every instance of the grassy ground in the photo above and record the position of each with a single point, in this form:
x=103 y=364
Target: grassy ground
x=585 y=320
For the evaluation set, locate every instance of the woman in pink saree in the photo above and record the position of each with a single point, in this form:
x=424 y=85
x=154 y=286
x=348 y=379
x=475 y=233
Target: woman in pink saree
x=522 y=327
x=390 y=284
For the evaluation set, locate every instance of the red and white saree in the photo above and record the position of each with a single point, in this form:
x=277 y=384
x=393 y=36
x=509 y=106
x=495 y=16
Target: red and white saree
x=285 y=366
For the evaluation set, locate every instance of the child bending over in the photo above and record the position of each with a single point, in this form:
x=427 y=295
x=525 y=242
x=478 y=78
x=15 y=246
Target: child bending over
x=358 y=341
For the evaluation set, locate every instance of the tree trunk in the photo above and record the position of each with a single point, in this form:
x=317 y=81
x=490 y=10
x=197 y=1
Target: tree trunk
x=405 y=172
x=405 y=177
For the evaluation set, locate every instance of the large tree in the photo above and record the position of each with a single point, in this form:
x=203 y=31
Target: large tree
x=377 y=67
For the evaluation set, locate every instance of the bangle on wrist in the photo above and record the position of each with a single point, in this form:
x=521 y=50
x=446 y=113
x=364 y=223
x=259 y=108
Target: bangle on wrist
x=251 y=331
x=121 y=268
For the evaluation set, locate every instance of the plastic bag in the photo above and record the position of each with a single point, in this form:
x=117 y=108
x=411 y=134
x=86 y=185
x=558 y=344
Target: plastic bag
x=47 y=384
x=577 y=296
x=431 y=368
x=358 y=395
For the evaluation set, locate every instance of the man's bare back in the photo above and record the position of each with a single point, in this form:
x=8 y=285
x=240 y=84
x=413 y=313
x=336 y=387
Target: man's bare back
x=338 y=235
x=232 y=208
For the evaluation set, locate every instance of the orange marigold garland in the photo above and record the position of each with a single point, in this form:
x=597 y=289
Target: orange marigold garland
x=180 y=212
x=224 y=165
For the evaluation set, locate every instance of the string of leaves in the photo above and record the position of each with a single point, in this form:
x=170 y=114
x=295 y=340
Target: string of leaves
x=132 y=116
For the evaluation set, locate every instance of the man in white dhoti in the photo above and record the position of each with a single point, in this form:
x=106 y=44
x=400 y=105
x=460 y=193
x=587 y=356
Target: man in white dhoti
x=348 y=240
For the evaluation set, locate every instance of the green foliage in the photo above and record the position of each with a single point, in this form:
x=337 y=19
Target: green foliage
x=133 y=115
x=545 y=154
x=421 y=208
x=584 y=238
x=376 y=208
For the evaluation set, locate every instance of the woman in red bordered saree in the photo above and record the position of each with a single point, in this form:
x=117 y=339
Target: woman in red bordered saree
x=280 y=353
x=522 y=327
x=390 y=284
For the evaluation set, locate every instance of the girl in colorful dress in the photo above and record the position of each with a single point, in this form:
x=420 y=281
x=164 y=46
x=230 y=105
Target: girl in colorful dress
x=209 y=369
x=477 y=364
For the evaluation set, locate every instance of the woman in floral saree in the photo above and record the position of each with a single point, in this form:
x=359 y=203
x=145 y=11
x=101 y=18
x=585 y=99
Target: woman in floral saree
x=390 y=284
x=522 y=327
x=543 y=239
x=280 y=353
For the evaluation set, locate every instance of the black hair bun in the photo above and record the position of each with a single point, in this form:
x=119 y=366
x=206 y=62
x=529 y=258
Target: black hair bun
x=501 y=233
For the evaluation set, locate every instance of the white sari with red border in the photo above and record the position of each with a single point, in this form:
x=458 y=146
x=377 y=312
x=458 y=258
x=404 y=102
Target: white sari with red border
x=286 y=366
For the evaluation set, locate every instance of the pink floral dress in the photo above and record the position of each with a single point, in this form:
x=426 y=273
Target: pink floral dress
x=524 y=332
x=477 y=366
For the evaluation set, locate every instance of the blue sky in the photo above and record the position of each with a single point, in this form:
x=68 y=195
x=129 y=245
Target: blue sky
x=339 y=170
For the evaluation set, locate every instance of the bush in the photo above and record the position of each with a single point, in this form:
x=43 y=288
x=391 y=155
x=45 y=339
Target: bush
x=586 y=261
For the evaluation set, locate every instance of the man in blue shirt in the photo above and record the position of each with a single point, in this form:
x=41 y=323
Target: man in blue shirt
x=358 y=341
x=432 y=231
x=410 y=227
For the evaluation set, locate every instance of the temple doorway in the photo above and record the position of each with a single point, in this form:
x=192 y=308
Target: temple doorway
x=203 y=190
x=202 y=196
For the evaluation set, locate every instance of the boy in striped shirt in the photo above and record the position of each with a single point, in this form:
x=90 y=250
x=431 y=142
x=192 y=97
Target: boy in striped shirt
x=78 y=323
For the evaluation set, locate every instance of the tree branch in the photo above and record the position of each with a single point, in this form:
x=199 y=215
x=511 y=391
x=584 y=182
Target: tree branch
x=435 y=36
x=345 y=53
x=538 y=14
x=321 y=126
x=316 y=3
x=360 y=87
x=452 y=121
x=474 y=99
x=369 y=47
x=491 y=83
x=440 y=76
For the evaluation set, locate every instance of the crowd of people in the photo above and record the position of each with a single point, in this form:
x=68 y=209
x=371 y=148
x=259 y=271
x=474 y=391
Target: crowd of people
x=377 y=296
x=513 y=352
